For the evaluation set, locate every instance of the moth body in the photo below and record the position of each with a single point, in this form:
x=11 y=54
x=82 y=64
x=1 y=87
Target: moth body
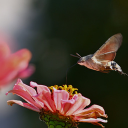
x=102 y=59
x=88 y=62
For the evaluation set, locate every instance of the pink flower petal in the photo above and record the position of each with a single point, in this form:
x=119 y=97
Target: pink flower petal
x=78 y=105
x=46 y=98
x=4 y=50
x=40 y=88
x=93 y=108
x=32 y=92
x=20 y=59
x=26 y=105
x=66 y=104
x=25 y=95
x=16 y=62
x=26 y=72
x=58 y=96
x=85 y=102
x=21 y=86
x=92 y=120
x=14 y=65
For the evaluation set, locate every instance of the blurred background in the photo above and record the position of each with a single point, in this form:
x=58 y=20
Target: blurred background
x=52 y=30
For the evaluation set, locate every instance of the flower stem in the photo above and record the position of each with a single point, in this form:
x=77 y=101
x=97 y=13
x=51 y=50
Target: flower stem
x=56 y=124
x=55 y=120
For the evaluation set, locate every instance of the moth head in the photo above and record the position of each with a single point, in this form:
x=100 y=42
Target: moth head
x=84 y=59
x=81 y=61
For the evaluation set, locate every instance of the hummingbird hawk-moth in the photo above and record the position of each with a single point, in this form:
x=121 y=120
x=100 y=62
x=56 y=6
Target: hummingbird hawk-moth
x=102 y=59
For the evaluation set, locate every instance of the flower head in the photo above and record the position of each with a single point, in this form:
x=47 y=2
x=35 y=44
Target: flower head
x=14 y=65
x=60 y=103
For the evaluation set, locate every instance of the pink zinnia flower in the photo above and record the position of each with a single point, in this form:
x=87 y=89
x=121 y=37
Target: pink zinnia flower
x=58 y=105
x=14 y=65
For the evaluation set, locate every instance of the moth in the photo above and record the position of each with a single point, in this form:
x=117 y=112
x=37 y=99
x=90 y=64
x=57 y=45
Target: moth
x=102 y=59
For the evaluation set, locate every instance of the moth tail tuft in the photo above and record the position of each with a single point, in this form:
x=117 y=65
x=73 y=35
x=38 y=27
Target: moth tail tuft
x=121 y=72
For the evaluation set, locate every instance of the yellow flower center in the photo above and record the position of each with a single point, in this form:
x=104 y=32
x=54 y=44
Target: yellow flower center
x=68 y=88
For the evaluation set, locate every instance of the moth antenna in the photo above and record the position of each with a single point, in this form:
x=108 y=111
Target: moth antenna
x=75 y=56
x=78 y=55
x=67 y=71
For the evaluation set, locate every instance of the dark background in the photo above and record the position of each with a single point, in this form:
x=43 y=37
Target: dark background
x=65 y=27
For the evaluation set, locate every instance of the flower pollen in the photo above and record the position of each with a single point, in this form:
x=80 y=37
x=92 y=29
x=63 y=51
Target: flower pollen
x=68 y=88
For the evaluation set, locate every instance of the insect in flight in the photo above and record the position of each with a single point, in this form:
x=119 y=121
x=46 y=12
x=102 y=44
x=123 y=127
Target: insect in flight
x=102 y=59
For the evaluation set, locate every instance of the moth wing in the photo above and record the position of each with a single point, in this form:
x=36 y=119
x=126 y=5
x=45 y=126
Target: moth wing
x=111 y=45
x=106 y=56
